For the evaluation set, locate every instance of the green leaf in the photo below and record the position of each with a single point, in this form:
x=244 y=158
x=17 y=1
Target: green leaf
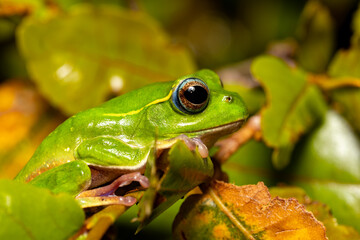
x=316 y=34
x=186 y=170
x=344 y=65
x=347 y=64
x=293 y=106
x=90 y=52
x=347 y=102
x=327 y=166
x=27 y=212
x=321 y=211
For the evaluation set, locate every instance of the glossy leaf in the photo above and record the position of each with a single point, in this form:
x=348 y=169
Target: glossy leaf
x=321 y=211
x=186 y=170
x=226 y=211
x=27 y=212
x=292 y=107
x=327 y=166
x=90 y=52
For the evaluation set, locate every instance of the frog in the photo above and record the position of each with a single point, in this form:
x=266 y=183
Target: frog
x=96 y=151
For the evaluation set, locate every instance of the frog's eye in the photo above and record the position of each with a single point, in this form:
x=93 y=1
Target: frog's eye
x=191 y=96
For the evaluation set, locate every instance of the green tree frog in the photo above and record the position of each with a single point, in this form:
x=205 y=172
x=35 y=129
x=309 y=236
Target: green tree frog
x=110 y=144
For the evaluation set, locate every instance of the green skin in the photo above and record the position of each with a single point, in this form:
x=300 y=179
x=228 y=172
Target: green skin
x=100 y=144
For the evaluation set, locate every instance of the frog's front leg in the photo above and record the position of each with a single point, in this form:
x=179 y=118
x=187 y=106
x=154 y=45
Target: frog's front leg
x=106 y=195
x=111 y=160
x=71 y=177
x=75 y=177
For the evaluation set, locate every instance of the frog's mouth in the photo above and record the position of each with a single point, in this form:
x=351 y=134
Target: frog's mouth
x=210 y=135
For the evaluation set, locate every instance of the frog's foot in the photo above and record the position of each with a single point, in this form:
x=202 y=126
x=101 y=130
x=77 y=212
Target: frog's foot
x=106 y=195
x=192 y=143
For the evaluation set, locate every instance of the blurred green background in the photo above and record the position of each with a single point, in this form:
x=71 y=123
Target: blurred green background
x=216 y=32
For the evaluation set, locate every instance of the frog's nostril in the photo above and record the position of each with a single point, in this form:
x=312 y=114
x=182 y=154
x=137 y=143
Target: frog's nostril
x=227 y=99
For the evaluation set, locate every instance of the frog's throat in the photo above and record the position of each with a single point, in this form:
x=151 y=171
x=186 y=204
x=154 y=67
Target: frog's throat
x=208 y=136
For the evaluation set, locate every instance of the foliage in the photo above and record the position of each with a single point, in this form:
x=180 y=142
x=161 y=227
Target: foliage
x=27 y=212
x=293 y=106
x=320 y=211
x=226 y=211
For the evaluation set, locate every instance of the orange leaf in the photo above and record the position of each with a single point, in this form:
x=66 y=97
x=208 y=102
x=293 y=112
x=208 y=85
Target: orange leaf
x=24 y=124
x=20 y=108
x=227 y=211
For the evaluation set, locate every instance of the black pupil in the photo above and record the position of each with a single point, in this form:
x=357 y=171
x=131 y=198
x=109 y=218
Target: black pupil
x=196 y=94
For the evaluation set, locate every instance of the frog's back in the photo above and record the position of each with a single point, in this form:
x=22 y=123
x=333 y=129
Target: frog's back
x=137 y=99
x=59 y=147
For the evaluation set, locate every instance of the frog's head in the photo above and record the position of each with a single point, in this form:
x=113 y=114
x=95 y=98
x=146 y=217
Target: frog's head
x=199 y=107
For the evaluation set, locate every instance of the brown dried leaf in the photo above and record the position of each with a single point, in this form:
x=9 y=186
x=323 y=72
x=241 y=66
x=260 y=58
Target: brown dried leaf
x=227 y=211
x=321 y=211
